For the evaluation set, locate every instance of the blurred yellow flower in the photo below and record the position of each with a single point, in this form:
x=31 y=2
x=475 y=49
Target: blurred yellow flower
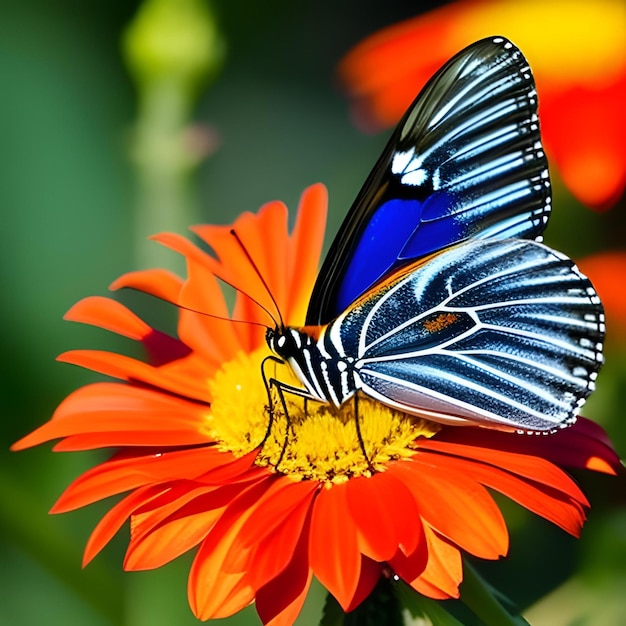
x=174 y=40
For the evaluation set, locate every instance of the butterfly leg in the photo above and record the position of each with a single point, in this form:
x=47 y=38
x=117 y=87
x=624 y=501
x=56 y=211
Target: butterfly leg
x=281 y=388
x=359 y=436
x=269 y=384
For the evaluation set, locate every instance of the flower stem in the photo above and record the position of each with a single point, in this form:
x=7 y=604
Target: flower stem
x=164 y=193
x=172 y=48
x=479 y=598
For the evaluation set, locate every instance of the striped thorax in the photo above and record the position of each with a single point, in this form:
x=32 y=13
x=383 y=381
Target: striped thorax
x=327 y=374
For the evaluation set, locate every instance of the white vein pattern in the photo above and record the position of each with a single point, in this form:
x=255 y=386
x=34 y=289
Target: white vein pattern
x=474 y=134
x=520 y=345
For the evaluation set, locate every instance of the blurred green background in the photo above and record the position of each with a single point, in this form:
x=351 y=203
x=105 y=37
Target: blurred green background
x=68 y=191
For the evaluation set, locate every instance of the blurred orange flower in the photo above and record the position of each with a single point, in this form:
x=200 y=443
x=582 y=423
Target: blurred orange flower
x=577 y=50
x=607 y=272
x=268 y=510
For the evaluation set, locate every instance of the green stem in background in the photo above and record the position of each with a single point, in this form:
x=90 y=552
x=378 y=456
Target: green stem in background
x=173 y=49
x=418 y=610
x=162 y=168
x=478 y=596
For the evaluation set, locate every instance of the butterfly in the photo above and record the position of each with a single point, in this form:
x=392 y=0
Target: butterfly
x=437 y=297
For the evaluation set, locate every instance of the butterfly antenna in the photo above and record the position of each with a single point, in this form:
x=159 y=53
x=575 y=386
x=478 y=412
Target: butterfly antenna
x=219 y=317
x=264 y=283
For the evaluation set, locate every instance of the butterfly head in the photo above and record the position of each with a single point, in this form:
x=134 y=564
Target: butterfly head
x=282 y=341
x=271 y=337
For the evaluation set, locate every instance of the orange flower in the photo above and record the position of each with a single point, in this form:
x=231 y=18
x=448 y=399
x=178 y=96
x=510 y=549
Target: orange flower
x=607 y=271
x=267 y=511
x=577 y=50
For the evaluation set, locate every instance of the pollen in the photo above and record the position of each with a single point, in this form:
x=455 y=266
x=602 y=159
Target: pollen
x=311 y=440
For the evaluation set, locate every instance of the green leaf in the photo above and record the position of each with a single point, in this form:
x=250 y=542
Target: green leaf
x=380 y=608
x=422 y=611
x=332 y=615
x=480 y=598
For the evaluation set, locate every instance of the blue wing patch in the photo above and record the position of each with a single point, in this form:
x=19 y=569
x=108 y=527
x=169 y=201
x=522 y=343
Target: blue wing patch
x=391 y=236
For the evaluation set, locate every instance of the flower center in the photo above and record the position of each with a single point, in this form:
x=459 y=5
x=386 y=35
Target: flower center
x=314 y=440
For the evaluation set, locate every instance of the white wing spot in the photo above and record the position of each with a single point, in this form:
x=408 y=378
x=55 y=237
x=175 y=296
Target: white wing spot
x=401 y=160
x=416 y=178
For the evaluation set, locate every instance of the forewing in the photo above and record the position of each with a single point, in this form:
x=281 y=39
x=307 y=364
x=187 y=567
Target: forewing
x=466 y=161
x=504 y=333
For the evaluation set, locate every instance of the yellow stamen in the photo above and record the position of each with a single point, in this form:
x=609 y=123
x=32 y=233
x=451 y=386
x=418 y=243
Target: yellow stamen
x=316 y=441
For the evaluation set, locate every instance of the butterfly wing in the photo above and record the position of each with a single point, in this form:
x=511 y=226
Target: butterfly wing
x=466 y=161
x=507 y=333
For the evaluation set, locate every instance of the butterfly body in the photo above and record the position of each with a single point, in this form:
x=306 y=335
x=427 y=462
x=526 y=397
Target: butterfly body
x=437 y=297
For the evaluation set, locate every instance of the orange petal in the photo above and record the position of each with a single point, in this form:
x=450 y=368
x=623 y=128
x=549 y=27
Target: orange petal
x=371 y=572
x=159 y=283
x=584 y=444
x=526 y=465
x=112 y=521
x=175 y=380
x=113 y=316
x=234 y=266
x=385 y=514
x=213 y=591
x=545 y=501
x=282 y=497
x=94 y=441
x=215 y=338
x=160 y=535
x=108 y=314
x=410 y=566
x=235 y=470
x=280 y=601
x=272 y=556
x=333 y=550
x=254 y=230
x=460 y=509
x=443 y=574
x=120 y=410
x=125 y=472
x=305 y=249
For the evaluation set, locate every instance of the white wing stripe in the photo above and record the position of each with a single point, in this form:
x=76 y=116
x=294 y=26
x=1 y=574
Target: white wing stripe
x=537 y=365
x=467 y=384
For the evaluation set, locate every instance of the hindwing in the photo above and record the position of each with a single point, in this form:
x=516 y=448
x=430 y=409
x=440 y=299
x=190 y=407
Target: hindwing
x=507 y=333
